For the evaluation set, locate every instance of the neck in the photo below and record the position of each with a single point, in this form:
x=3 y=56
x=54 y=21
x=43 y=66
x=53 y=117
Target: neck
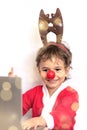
x=51 y=91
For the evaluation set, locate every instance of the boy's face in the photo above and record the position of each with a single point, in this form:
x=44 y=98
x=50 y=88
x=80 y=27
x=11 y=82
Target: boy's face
x=56 y=65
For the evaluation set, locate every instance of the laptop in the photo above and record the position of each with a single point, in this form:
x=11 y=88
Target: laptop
x=10 y=103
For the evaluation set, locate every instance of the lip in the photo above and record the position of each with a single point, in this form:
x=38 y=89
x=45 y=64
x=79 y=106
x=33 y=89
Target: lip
x=52 y=81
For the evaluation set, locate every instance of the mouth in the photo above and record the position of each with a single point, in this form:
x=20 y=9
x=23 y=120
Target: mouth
x=52 y=80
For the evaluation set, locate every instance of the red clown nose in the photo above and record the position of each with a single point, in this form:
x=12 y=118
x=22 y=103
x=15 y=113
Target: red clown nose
x=50 y=74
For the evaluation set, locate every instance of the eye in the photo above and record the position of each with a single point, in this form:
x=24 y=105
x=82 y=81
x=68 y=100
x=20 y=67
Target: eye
x=45 y=70
x=57 y=69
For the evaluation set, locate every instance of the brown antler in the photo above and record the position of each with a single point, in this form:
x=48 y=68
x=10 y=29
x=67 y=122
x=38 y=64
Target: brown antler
x=45 y=28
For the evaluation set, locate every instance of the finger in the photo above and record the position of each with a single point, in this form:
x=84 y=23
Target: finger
x=11 y=73
x=35 y=127
x=26 y=125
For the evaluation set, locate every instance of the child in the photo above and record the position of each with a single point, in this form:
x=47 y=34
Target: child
x=54 y=104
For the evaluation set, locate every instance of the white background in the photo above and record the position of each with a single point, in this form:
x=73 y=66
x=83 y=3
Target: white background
x=20 y=40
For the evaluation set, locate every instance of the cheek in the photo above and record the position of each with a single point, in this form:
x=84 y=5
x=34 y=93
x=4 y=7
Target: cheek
x=43 y=75
x=62 y=74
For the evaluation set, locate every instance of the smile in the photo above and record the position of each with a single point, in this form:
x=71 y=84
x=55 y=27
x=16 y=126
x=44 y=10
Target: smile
x=53 y=80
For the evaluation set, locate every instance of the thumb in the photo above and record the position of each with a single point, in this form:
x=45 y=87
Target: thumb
x=11 y=72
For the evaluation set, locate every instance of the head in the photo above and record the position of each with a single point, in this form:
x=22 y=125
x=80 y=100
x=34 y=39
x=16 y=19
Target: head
x=56 y=58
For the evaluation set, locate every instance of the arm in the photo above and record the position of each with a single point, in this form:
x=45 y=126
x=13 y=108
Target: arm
x=64 y=111
x=30 y=101
x=62 y=116
x=27 y=100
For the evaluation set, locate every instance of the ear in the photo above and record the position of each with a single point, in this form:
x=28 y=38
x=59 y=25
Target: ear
x=38 y=69
x=67 y=71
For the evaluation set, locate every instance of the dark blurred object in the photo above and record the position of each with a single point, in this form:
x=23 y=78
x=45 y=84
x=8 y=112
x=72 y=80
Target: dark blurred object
x=10 y=103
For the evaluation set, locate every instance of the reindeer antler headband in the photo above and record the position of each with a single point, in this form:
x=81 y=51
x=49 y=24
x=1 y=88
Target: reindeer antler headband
x=57 y=25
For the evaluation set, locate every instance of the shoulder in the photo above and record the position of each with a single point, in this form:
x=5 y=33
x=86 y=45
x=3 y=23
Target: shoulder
x=70 y=89
x=34 y=89
x=69 y=93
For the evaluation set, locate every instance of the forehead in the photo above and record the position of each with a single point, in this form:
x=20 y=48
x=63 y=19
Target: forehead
x=54 y=61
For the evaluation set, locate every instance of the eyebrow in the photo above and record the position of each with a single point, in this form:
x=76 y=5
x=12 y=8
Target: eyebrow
x=52 y=68
x=45 y=68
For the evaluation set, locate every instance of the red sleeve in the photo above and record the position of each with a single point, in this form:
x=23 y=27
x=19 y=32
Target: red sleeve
x=27 y=100
x=65 y=108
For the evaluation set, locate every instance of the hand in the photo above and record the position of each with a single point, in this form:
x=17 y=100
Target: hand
x=11 y=73
x=34 y=123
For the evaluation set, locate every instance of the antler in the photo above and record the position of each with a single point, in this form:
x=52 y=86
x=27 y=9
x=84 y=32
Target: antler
x=57 y=28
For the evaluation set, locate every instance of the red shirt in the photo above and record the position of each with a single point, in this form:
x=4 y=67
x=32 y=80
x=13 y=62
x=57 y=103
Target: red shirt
x=64 y=109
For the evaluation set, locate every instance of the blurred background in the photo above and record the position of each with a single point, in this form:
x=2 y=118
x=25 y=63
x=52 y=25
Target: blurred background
x=20 y=40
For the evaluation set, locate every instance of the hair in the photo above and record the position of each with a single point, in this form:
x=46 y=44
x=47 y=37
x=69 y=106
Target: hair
x=59 y=51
